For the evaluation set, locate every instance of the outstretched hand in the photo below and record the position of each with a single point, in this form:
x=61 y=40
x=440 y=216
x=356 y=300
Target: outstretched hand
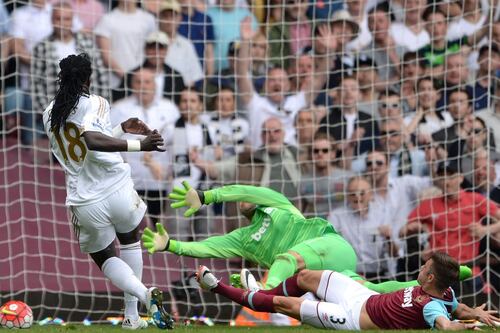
x=152 y=142
x=186 y=197
x=155 y=241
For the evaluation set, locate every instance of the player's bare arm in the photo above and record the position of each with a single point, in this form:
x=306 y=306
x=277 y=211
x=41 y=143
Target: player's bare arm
x=489 y=317
x=101 y=142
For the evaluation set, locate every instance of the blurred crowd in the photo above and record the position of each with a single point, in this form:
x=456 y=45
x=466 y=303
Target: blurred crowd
x=383 y=117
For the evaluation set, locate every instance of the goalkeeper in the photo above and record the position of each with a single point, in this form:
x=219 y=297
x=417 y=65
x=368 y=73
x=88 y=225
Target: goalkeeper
x=278 y=238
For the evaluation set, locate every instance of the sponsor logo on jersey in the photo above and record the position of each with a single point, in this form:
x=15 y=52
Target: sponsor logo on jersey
x=407 y=298
x=257 y=236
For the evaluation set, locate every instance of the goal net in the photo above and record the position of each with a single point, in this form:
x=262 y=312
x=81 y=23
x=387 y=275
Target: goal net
x=381 y=117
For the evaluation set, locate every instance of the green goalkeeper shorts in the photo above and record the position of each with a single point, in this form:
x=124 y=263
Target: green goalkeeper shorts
x=328 y=252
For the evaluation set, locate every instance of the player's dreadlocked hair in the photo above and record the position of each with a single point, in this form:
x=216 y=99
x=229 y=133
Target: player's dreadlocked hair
x=72 y=79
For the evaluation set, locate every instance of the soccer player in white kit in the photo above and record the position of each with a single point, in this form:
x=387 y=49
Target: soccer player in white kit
x=100 y=191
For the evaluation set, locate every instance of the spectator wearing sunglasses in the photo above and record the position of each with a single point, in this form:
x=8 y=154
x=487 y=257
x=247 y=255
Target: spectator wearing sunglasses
x=322 y=188
x=390 y=106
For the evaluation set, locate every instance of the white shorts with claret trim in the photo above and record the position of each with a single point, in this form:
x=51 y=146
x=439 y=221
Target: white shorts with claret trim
x=96 y=225
x=341 y=300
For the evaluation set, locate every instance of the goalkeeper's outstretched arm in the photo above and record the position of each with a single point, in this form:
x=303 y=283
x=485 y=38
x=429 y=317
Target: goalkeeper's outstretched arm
x=262 y=196
x=225 y=246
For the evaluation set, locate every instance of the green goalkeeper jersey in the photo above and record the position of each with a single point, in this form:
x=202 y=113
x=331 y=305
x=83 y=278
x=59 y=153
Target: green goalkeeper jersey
x=276 y=227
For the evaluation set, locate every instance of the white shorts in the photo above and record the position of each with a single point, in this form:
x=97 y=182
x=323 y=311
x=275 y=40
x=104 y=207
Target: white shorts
x=341 y=301
x=96 y=225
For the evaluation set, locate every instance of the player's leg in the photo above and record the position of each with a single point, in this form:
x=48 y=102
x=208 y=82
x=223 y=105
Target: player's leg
x=131 y=253
x=331 y=252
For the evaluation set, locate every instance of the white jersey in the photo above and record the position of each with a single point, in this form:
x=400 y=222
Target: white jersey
x=91 y=176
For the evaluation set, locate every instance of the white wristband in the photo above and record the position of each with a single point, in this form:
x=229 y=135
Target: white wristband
x=118 y=131
x=133 y=145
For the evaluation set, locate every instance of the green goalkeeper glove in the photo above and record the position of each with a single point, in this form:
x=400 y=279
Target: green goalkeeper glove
x=155 y=241
x=187 y=197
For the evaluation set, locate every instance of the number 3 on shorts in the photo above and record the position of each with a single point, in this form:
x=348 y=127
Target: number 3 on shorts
x=72 y=136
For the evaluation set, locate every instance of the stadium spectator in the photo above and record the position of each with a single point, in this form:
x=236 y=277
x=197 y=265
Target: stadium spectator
x=427 y=120
x=462 y=150
x=412 y=70
x=63 y=42
x=453 y=219
x=120 y=35
x=346 y=29
x=25 y=36
x=276 y=102
x=89 y=12
x=169 y=82
x=300 y=71
x=227 y=130
x=461 y=111
x=226 y=18
x=389 y=107
x=191 y=138
x=410 y=33
x=181 y=54
x=358 y=12
x=456 y=75
x=260 y=60
x=289 y=37
x=470 y=20
x=382 y=49
x=273 y=165
x=369 y=85
x=149 y=170
x=346 y=124
x=491 y=116
x=306 y=125
x=404 y=159
x=483 y=88
x=322 y=189
x=364 y=223
x=198 y=28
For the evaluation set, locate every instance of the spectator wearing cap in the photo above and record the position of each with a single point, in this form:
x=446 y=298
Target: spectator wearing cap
x=382 y=49
x=227 y=17
x=198 y=28
x=460 y=110
x=63 y=42
x=483 y=88
x=368 y=80
x=169 y=82
x=366 y=225
x=181 y=53
x=290 y=36
x=427 y=120
x=275 y=101
x=346 y=124
x=149 y=170
x=120 y=35
x=323 y=188
x=453 y=219
x=410 y=34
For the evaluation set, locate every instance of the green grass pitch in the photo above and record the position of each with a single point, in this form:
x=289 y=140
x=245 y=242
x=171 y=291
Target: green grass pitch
x=185 y=329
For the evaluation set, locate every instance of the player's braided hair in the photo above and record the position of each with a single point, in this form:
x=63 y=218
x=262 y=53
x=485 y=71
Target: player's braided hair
x=73 y=82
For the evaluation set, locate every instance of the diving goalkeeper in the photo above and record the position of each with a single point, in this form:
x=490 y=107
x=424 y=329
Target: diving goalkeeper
x=278 y=238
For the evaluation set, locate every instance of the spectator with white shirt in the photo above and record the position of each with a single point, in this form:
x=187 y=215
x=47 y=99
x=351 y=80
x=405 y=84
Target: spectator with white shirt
x=150 y=170
x=181 y=54
x=366 y=225
x=411 y=33
x=26 y=35
x=63 y=42
x=120 y=36
x=427 y=120
x=471 y=20
x=169 y=82
x=275 y=101
x=357 y=9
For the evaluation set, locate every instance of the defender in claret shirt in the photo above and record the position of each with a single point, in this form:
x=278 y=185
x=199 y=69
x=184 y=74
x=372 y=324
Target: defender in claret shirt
x=332 y=300
x=279 y=237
